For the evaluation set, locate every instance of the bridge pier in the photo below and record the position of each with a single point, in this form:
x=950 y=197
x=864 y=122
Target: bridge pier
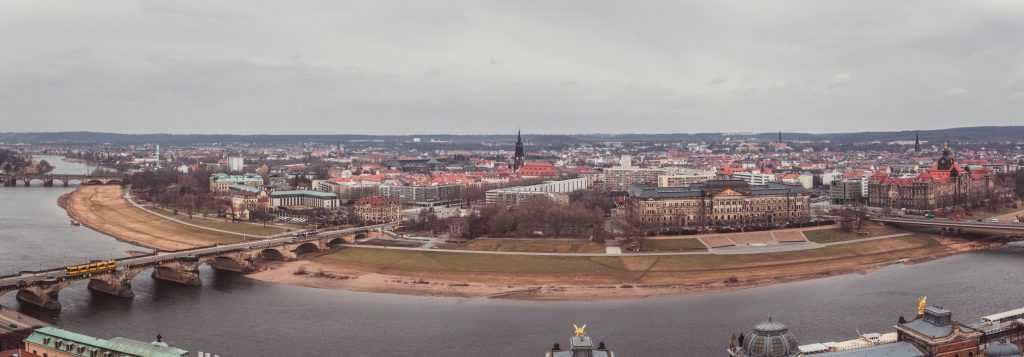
x=48 y=183
x=181 y=272
x=238 y=262
x=28 y=182
x=10 y=183
x=66 y=182
x=117 y=283
x=44 y=296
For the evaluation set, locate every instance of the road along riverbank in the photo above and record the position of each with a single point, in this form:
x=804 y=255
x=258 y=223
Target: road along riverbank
x=518 y=276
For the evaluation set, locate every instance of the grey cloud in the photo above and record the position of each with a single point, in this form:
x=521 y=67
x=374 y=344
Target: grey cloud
x=493 y=66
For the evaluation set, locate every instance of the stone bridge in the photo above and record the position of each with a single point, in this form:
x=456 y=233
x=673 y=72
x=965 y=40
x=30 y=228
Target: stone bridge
x=48 y=180
x=956 y=226
x=42 y=288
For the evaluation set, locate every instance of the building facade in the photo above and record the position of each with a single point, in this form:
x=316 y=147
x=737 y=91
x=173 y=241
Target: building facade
x=846 y=191
x=945 y=184
x=377 y=210
x=421 y=194
x=555 y=190
x=221 y=182
x=54 y=342
x=718 y=203
x=304 y=199
x=621 y=178
x=685 y=178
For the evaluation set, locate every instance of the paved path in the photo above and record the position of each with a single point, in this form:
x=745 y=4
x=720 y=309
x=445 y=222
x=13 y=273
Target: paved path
x=128 y=197
x=720 y=251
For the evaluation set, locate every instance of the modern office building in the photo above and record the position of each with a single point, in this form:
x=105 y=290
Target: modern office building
x=421 y=195
x=554 y=190
x=221 y=182
x=236 y=164
x=304 y=199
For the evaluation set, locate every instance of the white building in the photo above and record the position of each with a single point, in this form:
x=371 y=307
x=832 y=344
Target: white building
x=754 y=178
x=554 y=190
x=236 y=164
x=685 y=177
x=304 y=199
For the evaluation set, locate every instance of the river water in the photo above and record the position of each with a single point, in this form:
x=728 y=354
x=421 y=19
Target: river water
x=235 y=316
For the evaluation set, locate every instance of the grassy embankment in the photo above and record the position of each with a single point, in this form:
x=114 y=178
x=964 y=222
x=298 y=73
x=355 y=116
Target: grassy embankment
x=529 y=245
x=672 y=245
x=222 y=224
x=838 y=235
x=634 y=269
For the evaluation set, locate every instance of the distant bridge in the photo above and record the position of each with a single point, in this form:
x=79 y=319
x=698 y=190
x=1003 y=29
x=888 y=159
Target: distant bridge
x=948 y=225
x=42 y=288
x=12 y=180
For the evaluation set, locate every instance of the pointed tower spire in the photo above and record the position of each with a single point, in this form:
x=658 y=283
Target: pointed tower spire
x=520 y=156
x=917 y=142
x=780 y=137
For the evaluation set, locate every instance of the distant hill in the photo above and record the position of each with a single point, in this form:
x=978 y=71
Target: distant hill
x=978 y=134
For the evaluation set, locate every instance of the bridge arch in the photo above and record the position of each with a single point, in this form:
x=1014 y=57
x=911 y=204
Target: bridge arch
x=336 y=242
x=92 y=182
x=272 y=254
x=306 y=248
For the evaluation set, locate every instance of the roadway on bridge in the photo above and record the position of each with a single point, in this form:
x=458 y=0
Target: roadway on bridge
x=949 y=223
x=29 y=278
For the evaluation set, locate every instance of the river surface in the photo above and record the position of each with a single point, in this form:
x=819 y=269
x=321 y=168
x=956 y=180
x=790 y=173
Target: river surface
x=234 y=316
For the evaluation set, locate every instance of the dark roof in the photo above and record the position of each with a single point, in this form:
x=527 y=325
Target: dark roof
x=898 y=349
x=1001 y=349
x=928 y=329
x=712 y=187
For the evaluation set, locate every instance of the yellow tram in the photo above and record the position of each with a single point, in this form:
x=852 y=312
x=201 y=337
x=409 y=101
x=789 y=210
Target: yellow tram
x=90 y=268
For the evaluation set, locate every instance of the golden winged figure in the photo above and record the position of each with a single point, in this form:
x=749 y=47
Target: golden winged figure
x=580 y=330
x=921 y=304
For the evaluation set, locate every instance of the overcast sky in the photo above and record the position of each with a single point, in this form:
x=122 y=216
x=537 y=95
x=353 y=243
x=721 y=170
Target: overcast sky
x=408 y=67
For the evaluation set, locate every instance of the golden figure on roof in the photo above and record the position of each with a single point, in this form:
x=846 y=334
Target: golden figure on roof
x=580 y=330
x=921 y=304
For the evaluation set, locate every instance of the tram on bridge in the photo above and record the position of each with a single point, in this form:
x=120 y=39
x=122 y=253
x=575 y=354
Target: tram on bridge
x=90 y=268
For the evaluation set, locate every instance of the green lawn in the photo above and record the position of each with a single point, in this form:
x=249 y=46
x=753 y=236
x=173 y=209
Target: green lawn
x=220 y=223
x=622 y=267
x=838 y=235
x=386 y=260
x=531 y=245
x=671 y=245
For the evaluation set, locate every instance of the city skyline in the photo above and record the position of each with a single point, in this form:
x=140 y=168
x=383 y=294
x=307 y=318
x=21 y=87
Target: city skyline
x=489 y=67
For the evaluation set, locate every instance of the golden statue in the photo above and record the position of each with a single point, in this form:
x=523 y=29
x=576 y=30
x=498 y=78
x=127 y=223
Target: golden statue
x=921 y=304
x=580 y=330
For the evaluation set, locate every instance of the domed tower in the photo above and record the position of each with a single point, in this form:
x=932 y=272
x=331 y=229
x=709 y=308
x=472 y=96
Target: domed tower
x=945 y=162
x=767 y=339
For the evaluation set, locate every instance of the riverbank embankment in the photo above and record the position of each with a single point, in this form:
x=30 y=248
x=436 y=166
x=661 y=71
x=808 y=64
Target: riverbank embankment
x=556 y=277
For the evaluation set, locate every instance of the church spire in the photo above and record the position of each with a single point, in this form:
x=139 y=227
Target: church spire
x=917 y=142
x=520 y=156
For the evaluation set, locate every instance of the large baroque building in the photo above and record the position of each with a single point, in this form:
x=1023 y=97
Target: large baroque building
x=377 y=210
x=718 y=203
x=945 y=184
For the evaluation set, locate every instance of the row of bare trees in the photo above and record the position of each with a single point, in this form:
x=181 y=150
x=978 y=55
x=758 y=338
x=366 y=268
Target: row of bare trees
x=583 y=217
x=182 y=192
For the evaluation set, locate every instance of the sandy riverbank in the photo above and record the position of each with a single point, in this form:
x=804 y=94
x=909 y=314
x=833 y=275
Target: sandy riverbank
x=517 y=277
x=641 y=277
x=104 y=209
